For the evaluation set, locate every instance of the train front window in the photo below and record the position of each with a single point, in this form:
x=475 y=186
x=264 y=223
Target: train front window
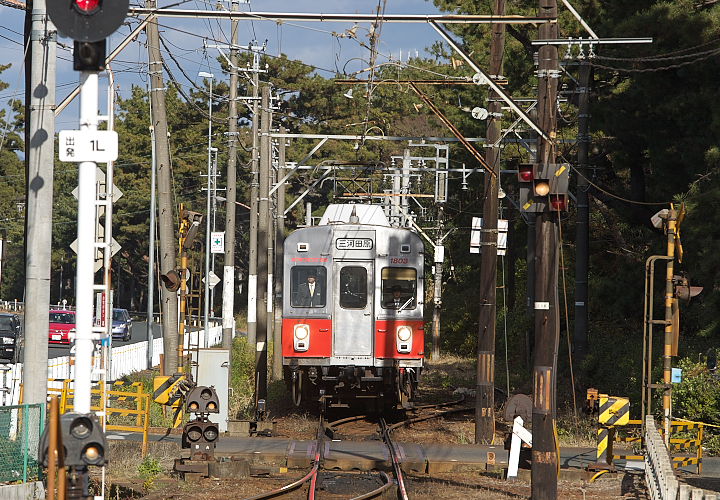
x=399 y=285
x=353 y=287
x=308 y=286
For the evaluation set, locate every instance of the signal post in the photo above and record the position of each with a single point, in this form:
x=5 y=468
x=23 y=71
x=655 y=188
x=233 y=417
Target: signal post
x=88 y=23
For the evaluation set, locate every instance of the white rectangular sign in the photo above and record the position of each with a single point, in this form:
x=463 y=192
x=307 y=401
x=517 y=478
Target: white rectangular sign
x=217 y=242
x=100 y=146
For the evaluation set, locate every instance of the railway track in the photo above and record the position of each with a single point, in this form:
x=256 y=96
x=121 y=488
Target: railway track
x=379 y=428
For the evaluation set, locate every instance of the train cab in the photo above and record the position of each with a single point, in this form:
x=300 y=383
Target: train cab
x=353 y=309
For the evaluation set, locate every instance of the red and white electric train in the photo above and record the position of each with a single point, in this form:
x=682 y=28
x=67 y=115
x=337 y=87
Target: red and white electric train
x=353 y=310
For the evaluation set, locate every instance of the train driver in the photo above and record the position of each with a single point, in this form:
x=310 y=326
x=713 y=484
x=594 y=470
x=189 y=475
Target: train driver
x=397 y=300
x=310 y=293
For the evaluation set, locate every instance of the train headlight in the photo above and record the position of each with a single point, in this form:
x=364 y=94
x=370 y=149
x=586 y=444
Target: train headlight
x=302 y=332
x=404 y=333
x=403 y=339
x=301 y=337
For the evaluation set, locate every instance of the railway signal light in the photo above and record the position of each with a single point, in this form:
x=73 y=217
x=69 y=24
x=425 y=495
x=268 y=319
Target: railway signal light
x=543 y=187
x=82 y=438
x=200 y=435
x=87 y=20
x=202 y=399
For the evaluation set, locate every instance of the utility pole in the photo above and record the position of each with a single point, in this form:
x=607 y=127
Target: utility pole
x=279 y=260
x=547 y=331
x=582 y=230
x=485 y=390
x=151 y=253
x=40 y=157
x=168 y=260
x=437 y=286
x=262 y=255
x=269 y=301
x=252 y=288
x=228 y=303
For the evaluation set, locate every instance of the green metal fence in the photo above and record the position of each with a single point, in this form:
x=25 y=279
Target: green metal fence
x=20 y=429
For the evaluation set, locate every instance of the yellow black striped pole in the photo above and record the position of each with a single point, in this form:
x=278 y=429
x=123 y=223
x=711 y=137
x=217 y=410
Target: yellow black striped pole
x=603 y=433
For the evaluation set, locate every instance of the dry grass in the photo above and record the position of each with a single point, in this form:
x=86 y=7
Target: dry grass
x=125 y=457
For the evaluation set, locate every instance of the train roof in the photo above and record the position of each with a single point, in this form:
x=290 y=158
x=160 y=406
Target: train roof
x=367 y=214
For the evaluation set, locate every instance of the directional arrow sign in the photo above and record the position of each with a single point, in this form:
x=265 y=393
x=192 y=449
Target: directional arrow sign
x=214 y=280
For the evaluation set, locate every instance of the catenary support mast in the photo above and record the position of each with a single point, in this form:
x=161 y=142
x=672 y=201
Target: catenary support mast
x=547 y=333
x=165 y=203
x=485 y=390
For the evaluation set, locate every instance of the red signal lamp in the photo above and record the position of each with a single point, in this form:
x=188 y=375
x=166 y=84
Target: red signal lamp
x=525 y=173
x=558 y=202
x=87 y=6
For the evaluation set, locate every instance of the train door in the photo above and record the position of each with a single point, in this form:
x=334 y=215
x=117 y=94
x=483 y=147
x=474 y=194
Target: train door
x=353 y=308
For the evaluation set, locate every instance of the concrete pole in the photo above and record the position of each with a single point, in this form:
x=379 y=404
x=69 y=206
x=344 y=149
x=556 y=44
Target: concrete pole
x=546 y=306
x=228 y=298
x=253 y=243
x=151 y=254
x=270 y=300
x=582 y=224
x=206 y=297
x=168 y=260
x=262 y=276
x=40 y=157
x=86 y=220
x=437 y=292
x=279 y=259
x=487 y=318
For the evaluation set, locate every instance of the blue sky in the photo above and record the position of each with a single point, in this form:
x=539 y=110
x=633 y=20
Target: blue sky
x=312 y=43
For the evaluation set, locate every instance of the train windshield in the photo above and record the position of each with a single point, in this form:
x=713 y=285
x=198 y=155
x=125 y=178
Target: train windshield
x=398 y=288
x=308 y=286
x=353 y=287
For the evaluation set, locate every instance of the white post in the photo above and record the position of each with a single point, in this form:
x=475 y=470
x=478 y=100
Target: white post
x=85 y=249
x=519 y=435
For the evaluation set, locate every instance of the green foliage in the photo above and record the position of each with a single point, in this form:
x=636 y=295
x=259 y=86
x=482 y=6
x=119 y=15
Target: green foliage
x=149 y=469
x=242 y=378
x=697 y=397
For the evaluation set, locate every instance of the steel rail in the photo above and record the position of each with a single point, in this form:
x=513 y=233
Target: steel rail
x=338 y=17
x=310 y=476
x=402 y=491
x=422 y=418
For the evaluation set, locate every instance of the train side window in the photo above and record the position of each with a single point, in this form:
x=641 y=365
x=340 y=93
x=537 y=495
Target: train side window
x=353 y=287
x=308 y=286
x=399 y=286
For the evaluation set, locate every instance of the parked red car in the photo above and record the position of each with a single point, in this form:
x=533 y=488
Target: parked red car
x=62 y=324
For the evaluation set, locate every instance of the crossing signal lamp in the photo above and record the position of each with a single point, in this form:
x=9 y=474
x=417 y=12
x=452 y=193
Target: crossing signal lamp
x=89 y=23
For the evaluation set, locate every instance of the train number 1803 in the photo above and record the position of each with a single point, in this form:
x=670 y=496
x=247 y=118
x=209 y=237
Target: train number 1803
x=398 y=260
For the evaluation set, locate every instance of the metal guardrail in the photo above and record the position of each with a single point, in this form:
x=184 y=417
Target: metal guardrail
x=660 y=478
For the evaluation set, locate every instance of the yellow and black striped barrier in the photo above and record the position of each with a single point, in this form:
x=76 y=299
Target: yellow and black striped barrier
x=686 y=446
x=613 y=410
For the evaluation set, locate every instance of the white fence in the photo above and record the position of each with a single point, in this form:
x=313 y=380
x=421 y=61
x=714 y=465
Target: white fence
x=660 y=479
x=125 y=360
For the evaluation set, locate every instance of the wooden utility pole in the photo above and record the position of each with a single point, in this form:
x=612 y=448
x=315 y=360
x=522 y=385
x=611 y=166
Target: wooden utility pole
x=582 y=233
x=228 y=294
x=168 y=259
x=485 y=390
x=262 y=252
x=547 y=332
